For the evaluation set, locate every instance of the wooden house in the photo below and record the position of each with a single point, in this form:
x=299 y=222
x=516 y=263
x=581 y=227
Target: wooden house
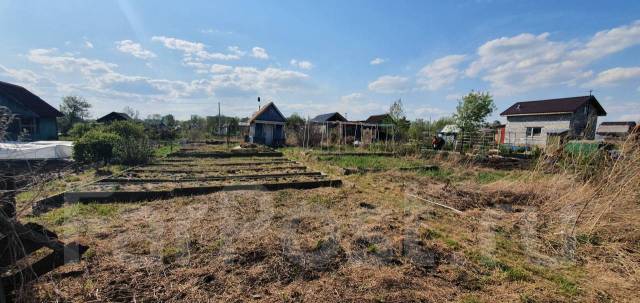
x=266 y=126
x=33 y=118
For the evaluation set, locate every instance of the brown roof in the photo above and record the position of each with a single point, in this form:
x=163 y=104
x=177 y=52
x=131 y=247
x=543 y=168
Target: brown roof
x=21 y=95
x=553 y=106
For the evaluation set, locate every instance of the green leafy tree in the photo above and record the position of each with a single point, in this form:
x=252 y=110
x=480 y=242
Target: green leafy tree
x=75 y=109
x=418 y=129
x=473 y=109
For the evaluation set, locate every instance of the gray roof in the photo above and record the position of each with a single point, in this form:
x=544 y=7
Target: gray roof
x=336 y=116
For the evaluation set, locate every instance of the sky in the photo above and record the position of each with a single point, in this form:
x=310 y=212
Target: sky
x=313 y=57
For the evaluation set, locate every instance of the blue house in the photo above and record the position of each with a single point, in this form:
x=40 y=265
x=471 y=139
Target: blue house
x=267 y=126
x=33 y=118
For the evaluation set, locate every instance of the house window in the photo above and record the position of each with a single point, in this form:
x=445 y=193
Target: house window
x=534 y=131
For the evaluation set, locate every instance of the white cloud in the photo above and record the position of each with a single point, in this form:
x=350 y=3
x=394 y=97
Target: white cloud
x=441 y=72
x=614 y=76
x=220 y=69
x=20 y=75
x=608 y=42
x=195 y=50
x=303 y=64
x=259 y=52
x=526 y=61
x=243 y=82
x=49 y=59
x=88 y=44
x=134 y=49
x=389 y=84
x=353 y=97
x=377 y=61
x=236 y=50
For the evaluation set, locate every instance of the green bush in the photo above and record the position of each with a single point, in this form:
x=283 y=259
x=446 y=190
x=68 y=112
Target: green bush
x=79 y=129
x=123 y=142
x=95 y=146
x=132 y=151
x=127 y=129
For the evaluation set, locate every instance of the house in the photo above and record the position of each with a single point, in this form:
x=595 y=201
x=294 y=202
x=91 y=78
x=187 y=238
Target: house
x=34 y=119
x=379 y=119
x=532 y=122
x=330 y=117
x=266 y=126
x=113 y=116
x=615 y=130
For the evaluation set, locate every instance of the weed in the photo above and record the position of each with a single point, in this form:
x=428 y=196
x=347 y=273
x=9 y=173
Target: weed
x=372 y=248
x=58 y=217
x=566 y=286
x=485 y=177
x=170 y=254
x=517 y=274
x=442 y=175
x=589 y=239
x=429 y=233
x=452 y=243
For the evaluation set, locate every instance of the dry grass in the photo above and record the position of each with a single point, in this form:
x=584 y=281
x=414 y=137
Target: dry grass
x=523 y=237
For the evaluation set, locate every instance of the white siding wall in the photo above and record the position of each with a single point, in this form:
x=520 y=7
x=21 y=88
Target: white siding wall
x=516 y=129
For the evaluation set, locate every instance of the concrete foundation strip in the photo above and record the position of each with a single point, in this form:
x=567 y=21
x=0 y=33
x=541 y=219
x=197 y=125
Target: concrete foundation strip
x=212 y=178
x=176 y=171
x=137 y=196
x=224 y=155
x=190 y=163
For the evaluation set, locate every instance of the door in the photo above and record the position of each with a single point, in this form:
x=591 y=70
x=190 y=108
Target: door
x=268 y=134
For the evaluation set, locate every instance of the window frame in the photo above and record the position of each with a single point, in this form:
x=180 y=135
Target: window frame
x=530 y=131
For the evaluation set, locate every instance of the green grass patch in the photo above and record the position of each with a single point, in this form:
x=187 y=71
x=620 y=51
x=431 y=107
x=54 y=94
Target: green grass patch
x=60 y=216
x=485 y=177
x=370 y=162
x=442 y=175
x=165 y=150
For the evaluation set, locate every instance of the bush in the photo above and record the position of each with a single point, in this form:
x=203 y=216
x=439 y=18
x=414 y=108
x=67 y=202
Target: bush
x=132 y=151
x=127 y=129
x=123 y=142
x=95 y=146
x=79 y=129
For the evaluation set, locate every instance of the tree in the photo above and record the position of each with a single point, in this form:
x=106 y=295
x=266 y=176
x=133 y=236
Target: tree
x=473 y=110
x=295 y=128
x=399 y=119
x=75 y=109
x=134 y=114
x=396 y=111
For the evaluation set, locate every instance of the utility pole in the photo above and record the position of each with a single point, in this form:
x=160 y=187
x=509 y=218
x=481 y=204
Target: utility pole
x=219 y=129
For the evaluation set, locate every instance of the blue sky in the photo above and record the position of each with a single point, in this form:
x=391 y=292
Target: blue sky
x=355 y=57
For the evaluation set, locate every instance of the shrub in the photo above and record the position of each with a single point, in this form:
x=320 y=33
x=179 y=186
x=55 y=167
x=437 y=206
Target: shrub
x=95 y=146
x=79 y=129
x=132 y=151
x=127 y=129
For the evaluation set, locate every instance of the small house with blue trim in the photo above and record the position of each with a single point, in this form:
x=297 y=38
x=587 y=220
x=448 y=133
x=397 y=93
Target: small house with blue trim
x=267 y=126
x=33 y=118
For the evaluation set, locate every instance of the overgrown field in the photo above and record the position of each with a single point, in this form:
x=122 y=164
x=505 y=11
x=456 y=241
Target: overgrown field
x=522 y=236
